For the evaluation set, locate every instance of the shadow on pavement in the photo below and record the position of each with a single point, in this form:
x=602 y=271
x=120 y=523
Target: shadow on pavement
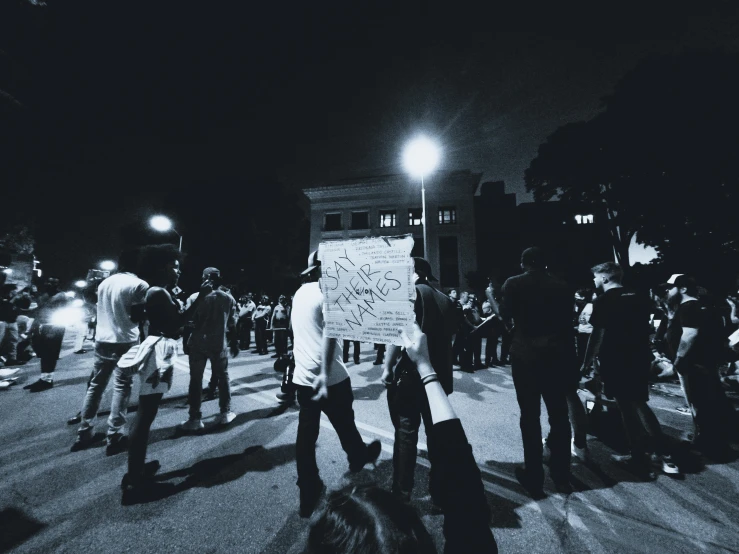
x=16 y=527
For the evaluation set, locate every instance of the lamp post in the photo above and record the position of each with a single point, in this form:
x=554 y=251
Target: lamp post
x=107 y=265
x=163 y=224
x=420 y=157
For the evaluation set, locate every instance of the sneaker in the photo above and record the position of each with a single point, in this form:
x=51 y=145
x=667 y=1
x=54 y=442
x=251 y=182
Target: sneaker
x=582 y=454
x=191 y=425
x=225 y=418
x=669 y=467
x=373 y=452
x=534 y=489
x=685 y=410
x=309 y=497
x=83 y=440
x=40 y=385
x=80 y=351
x=642 y=468
x=117 y=443
x=75 y=419
x=145 y=490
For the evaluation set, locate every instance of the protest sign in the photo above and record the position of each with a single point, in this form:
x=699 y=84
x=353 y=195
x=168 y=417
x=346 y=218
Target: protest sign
x=368 y=288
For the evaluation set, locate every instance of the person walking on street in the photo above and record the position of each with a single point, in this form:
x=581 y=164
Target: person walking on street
x=120 y=309
x=322 y=384
x=47 y=335
x=212 y=338
x=261 y=322
x=245 y=324
x=543 y=366
x=280 y=322
x=437 y=316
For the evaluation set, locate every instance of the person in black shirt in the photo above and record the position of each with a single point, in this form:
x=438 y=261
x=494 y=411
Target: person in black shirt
x=620 y=339
x=693 y=342
x=543 y=366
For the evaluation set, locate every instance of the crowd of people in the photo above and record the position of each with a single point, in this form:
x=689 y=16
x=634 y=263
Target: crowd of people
x=609 y=338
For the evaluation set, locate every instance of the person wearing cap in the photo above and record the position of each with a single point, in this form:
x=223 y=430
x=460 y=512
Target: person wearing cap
x=246 y=311
x=693 y=342
x=543 y=365
x=407 y=402
x=46 y=336
x=322 y=384
x=213 y=337
x=620 y=339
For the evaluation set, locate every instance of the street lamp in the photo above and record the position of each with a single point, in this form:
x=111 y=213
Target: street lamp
x=80 y=284
x=420 y=157
x=163 y=224
x=107 y=265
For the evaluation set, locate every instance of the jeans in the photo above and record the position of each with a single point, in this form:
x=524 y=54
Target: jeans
x=122 y=383
x=48 y=345
x=347 y=343
x=408 y=405
x=107 y=355
x=260 y=335
x=338 y=408
x=9 y=339
x=219 y=368
x=280 y=340
x=535 y=378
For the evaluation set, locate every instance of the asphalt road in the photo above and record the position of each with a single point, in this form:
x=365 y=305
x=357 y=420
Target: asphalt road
x=235 y=487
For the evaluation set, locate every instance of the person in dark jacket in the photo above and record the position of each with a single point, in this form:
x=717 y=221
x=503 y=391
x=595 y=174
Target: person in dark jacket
x=408 y=405
x=543 y=366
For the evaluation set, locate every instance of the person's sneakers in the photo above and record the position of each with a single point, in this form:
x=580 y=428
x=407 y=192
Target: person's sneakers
x=75 y=419
x=641 y=468
x=373 y=452
x=80 y=351
x=116 y=444
x=685 y=410
x=377 y=362
x=145 y=490
x=40 y=385
x=533 y=488
x=191 y=426
x=668 y=466
x=582 y=454
x=285 y=398
x=83 y=440
x=309 y=497
x=225 y=418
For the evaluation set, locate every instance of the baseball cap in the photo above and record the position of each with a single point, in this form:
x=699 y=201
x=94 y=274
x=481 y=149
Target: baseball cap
x=679 y=280
x=313 y=262
x=208 y=271
x=420 y=264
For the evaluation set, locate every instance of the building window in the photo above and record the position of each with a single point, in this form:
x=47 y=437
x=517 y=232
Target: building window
x=447 y=215
x=448 y=261
x=387 y=218
x=414 y=216
x=584 y=219
x=360 y=220
x=332 y=222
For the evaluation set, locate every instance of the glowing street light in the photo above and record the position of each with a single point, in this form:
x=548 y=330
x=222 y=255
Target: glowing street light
x=163 y=224
x=420 y=157
x=107 y=265
x=80 y=284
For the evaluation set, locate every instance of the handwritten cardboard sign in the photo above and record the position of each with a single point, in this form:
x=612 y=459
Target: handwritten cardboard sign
x=368 y=288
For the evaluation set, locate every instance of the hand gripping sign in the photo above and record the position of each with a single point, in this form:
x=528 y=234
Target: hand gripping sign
x=368 y=288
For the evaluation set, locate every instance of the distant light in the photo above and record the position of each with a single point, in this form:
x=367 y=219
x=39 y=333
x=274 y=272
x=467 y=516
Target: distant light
x=7 y=271
x=78 y=302
x=421 y=156
x=70 y=294
x=160 y=223
x=66 y=317
x=107 y=265
x=80 y=284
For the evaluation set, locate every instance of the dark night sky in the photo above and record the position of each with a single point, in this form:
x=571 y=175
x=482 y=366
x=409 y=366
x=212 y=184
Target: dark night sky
x=139 y=101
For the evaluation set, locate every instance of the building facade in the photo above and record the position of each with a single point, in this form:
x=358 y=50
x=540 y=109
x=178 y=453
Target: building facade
x=391 y=205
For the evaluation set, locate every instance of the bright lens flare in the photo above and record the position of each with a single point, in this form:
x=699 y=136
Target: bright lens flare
x=67 y=317
x=421 y=156
x=80 y=284
x=107 y=265
x=160 y=223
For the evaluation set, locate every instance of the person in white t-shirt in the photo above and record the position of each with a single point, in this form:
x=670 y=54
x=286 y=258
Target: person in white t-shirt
x=120 y=307
x=322 y=384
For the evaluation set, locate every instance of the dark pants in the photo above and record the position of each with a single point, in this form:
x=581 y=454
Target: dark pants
x=243 y=331
x=280 y=341
x=491 y=346
x=409 y=405
x=260 y=335
x=338 y=408
x=458 y=348
x=474 y=344
x=48 y=345
x=505 y=344
x=643 y=431
x=713 y=414
x=380 y=353
x=536 y=378
x=138 y=438
x=356 y=351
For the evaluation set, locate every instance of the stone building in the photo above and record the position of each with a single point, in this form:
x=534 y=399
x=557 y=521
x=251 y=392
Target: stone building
x=391 y=205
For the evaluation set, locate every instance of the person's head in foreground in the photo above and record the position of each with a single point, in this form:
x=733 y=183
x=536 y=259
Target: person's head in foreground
x=365 y=519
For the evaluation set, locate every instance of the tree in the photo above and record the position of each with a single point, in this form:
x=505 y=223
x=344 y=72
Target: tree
x=661 y=156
